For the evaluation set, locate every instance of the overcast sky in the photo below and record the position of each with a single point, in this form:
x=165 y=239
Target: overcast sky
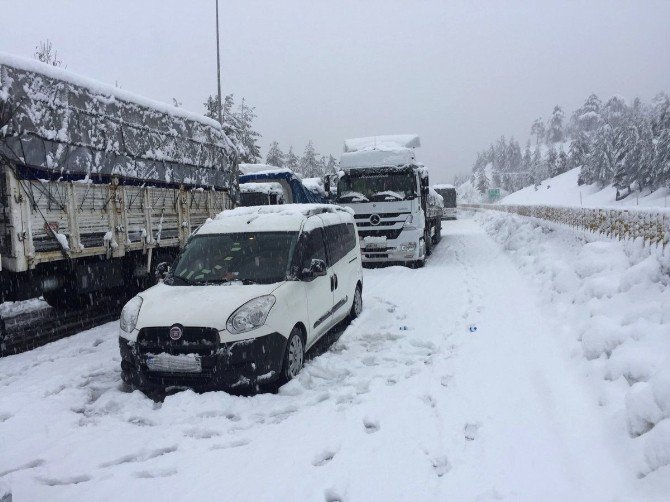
x=459 y=74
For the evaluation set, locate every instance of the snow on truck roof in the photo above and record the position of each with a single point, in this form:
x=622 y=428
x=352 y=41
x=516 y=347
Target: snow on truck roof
x=389 y=141
x=388 y=157
x=267 y=187
x=281 y=218
x=443 y=186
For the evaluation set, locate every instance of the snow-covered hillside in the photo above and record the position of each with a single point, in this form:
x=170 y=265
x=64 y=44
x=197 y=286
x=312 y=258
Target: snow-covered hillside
x=563 y=190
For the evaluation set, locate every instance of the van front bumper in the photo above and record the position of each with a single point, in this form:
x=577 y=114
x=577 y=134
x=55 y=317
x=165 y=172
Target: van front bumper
x=224 y=366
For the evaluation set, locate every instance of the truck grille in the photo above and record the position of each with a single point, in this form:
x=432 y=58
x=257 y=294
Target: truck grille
x=390 y=233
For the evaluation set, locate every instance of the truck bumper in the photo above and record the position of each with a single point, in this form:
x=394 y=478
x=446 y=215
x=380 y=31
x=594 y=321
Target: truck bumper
x=407 y=248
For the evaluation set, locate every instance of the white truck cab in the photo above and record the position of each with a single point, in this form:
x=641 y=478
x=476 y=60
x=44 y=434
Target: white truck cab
x=251 y=291
x=381 y=181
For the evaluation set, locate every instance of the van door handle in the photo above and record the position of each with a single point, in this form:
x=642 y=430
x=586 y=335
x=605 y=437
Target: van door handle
x=332 y=282
x=335 y=277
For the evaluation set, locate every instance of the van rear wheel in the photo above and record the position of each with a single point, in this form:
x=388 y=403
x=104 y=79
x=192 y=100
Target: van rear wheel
x=357 y=306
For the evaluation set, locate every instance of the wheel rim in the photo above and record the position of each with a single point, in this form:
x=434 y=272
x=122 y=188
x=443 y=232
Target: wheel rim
x=295 y=356
x=358 y=302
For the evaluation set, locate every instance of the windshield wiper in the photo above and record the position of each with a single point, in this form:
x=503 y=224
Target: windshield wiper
x=183 y=279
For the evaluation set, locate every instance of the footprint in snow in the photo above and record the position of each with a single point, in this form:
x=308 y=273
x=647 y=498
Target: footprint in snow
x=72 y=480
x=141 y=456
x=441 y=465
x=158 y=473
x=323 y=458
x=232 y=444
x=30 y=465
x=198 y=433
x=332 y=496
x=370 y=425
x=471 y=431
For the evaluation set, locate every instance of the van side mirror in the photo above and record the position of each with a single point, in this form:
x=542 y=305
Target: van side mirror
x=162 y=270
x=317 y=268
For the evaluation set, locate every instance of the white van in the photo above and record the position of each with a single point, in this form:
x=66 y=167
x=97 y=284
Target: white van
x=251 y=291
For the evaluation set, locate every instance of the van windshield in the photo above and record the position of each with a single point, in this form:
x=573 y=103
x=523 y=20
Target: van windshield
x=250 y=258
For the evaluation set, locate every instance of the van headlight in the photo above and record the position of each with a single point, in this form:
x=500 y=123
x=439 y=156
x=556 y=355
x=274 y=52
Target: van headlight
x=251 y=315
x=130 y=313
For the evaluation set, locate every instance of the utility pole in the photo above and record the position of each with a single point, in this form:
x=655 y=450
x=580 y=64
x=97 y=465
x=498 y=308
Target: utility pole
x=218 y=65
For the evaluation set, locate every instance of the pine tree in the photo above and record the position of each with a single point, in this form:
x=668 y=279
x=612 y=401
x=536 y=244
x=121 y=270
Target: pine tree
x=248 y=137
x=662 y=160
x=292 y=160
x=331 y=165
x=275 y=156
x=602 y=159
x=587 y=119
x=555 y=126
x=537 y=168
x=482 y=182
x=538 y=130
x=561 y=162
x=309 y=165
x=551 y=162
x=526 y=166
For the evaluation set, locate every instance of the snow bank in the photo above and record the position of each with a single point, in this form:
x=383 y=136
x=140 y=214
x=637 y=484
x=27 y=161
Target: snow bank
x=563 y=190
x=613 y=301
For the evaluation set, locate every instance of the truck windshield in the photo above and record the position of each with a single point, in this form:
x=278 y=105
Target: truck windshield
x=448 y=195
x=376 y=187
x=250 y=258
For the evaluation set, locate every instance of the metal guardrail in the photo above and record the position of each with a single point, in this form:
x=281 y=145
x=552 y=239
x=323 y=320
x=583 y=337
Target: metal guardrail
x=652 y=225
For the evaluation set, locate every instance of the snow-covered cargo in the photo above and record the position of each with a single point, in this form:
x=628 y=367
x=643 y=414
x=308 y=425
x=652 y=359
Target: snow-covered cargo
x=382 y=142
x=294 y=191
x=65 y=126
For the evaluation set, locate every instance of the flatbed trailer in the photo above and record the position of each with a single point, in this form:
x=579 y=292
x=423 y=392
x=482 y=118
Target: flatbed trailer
x=98 y=185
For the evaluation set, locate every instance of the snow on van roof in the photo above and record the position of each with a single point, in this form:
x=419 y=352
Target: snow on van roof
x=387 y=141
x=280 y=218
x=386 y=157
x=262 y=169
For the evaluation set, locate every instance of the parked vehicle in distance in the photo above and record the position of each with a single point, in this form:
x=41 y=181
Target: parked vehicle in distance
x=291 y=184
x=448 y=193
x=251 y=291
x=388 y=190
x=261 y=194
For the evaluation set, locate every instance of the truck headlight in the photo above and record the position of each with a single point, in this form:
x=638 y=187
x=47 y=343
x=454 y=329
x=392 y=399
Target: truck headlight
x=409 y=220
x=251 y=315
x=130 y=313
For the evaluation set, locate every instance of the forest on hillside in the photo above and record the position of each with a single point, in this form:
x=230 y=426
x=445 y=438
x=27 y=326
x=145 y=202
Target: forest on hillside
x=625 y=145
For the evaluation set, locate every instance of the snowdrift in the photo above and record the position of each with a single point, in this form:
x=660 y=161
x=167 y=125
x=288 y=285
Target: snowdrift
x=613 y=299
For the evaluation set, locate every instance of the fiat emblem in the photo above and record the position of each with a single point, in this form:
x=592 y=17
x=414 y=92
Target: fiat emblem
x=176 y=332
x=375 y=219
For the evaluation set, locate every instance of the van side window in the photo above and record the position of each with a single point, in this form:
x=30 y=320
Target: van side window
x=314 y=247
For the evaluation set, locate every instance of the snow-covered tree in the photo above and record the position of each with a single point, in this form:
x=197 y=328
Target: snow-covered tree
x=275 y=156
x=662 y=160
x=555 y=126
x=309 y=162
x=248 y=136
x=587 y=119
x=331 y=165
x=537 y=168
x=482 y=182
x=538 y=130
x=238 y=126
x=46 y=53
x=551 y=162
x=292 y=160
x=602 y=159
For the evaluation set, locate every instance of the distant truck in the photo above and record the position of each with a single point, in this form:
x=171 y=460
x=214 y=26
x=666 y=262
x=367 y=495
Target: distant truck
x=448 y=193
x=397 y=218
x=271 y=185
x=98 y=185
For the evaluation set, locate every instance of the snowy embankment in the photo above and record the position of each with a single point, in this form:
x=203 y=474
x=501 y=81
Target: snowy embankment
x=611 y=301
x=452 y=385
x=563 y=190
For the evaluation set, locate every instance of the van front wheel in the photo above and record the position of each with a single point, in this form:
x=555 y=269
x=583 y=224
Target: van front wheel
x=294 y=356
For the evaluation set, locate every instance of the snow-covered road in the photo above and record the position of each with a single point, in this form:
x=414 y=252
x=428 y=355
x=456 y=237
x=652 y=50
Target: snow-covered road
x=450 y=386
